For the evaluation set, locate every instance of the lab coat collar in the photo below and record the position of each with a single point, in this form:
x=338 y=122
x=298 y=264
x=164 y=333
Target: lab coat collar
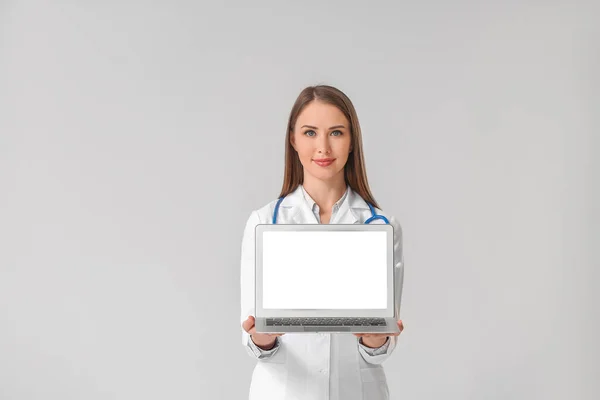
x=312 y=204
x=299 y=212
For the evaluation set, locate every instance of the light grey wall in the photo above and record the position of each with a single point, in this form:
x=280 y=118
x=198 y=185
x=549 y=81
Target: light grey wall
x=136 y=138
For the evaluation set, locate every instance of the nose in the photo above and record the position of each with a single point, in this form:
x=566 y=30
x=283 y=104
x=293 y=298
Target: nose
x=323 y=145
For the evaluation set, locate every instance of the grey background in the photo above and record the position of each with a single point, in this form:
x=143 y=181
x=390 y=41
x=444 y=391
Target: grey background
x=136 y=138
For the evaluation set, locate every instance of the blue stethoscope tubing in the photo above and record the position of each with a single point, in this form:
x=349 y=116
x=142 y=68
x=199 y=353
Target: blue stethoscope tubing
x=373 y=217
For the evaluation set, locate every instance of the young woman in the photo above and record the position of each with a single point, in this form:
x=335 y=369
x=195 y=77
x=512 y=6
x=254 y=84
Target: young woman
x=325 y=182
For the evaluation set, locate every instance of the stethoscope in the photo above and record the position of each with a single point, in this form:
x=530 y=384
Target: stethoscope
x=373 y=217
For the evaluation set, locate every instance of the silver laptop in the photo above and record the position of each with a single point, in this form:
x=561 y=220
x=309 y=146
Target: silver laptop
x=325 y=278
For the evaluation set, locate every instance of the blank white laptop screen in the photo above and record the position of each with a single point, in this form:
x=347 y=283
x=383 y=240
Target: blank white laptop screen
x=324 y=270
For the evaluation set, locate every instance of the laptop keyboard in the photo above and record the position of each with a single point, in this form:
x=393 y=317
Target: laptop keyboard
x=326 y=321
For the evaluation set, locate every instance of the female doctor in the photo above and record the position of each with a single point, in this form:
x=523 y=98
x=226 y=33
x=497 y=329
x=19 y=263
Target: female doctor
x=324 y=182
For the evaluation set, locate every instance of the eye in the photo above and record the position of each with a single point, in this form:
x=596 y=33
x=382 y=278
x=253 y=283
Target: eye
x=340 y=133
x=307 y=133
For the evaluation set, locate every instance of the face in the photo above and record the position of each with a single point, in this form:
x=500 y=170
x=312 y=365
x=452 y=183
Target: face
x=322 y=132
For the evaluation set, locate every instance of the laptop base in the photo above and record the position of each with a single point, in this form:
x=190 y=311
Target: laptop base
x=262 y=327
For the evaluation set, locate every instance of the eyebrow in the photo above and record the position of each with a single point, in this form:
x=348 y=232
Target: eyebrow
x=314 y=127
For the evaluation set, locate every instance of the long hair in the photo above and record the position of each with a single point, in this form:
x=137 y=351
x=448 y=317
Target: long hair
x=355 y=173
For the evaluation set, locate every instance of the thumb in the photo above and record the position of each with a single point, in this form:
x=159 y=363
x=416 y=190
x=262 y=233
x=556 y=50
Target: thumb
x=400 y=325
x=248 y=323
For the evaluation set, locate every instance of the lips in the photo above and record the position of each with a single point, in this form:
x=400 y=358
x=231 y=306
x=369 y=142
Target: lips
x=324 y=162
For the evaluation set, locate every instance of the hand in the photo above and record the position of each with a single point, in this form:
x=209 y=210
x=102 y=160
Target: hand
x=265 y=341
x=375 y=340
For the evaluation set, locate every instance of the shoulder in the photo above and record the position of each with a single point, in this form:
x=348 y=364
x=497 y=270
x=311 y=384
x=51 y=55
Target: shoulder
x=262 y=215
x=398 y=234
x=393 y=221
x=265 y=213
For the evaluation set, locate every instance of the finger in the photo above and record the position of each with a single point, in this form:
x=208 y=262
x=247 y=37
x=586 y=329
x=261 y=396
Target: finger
x=400 y=325
x=248 y=324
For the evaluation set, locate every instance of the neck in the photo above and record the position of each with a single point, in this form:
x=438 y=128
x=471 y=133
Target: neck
x=325 y=192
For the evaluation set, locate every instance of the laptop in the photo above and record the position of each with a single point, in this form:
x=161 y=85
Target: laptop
x=324 y=278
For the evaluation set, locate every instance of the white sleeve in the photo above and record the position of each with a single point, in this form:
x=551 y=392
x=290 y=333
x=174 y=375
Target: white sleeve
x=247 y=288
x=379 y=355
x=375 y=351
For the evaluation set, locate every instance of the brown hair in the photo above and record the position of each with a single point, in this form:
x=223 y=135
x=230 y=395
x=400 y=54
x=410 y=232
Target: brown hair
x=355 y=173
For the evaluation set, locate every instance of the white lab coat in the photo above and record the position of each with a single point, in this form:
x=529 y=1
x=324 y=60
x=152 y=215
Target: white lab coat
x=320 y=365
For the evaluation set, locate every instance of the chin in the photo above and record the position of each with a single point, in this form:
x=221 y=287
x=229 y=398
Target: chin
x=325 y=175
